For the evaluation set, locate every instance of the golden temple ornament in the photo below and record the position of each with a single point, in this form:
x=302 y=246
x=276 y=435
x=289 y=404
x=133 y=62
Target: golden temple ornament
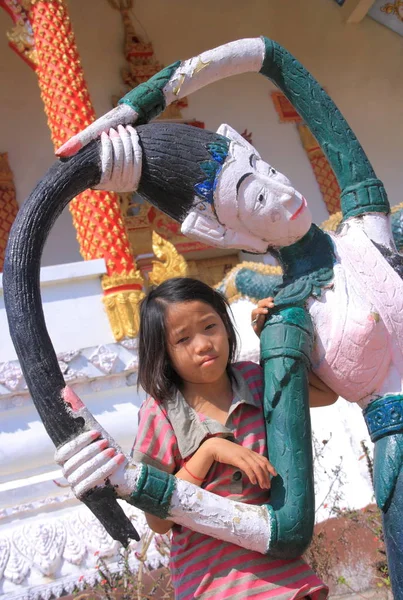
x=332 y=223
x=141 y=63
x=8 y=204
x=21 y=38
x=169 y=264
x=122 y=297
x=394 y=8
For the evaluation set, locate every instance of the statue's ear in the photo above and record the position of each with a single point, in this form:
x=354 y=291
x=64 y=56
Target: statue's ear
x=230 y=133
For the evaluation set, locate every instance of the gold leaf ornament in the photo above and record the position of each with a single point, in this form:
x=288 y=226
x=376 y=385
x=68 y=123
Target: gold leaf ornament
x=123 y=305
x=169 y=264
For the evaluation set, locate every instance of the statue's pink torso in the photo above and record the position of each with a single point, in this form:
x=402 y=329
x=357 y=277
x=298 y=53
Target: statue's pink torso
x=355 y=352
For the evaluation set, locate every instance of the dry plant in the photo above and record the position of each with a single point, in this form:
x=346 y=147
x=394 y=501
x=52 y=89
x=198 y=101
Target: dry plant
x=127 y=584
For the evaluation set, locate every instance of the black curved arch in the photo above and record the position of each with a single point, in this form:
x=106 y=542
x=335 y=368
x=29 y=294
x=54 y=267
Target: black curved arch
x=22 y=297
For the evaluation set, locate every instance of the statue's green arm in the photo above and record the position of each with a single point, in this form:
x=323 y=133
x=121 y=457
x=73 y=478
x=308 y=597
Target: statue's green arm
x=361 y=191
x=286 y=344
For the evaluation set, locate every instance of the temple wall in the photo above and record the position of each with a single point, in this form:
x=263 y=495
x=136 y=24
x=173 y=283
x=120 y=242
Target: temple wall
x=74 y=313
x=360 y=66
x=102 y=372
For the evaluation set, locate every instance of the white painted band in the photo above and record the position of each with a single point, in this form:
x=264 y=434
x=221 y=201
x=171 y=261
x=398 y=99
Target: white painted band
x=233 y=58
x=245 y=525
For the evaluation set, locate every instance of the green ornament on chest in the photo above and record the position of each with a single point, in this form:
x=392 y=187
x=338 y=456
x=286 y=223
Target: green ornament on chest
x=307 y=268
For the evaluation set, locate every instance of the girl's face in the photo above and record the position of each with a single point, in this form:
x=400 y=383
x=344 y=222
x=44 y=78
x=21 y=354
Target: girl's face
x=198 y=345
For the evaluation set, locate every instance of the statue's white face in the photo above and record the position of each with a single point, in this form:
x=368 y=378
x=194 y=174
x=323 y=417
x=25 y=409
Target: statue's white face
x=252 y=196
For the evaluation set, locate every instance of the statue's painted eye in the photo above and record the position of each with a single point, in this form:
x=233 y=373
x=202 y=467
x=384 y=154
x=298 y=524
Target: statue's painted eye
x=260 y=201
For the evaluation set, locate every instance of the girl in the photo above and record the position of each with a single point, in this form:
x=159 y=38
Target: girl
x=204 y=422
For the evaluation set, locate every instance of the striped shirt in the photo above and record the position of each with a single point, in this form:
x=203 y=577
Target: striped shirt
x=203 y=567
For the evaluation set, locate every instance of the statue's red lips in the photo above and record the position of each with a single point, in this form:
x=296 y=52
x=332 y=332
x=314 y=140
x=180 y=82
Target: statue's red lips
x=299 y=210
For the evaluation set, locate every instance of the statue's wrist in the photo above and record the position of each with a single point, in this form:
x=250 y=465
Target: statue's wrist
x=148 y=98
x=153 y=491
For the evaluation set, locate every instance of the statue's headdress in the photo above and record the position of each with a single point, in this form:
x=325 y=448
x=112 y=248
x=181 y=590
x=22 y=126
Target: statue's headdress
x=180 y=166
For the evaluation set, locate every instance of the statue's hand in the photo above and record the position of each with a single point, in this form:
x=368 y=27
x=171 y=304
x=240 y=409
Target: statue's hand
x=260 y=313
x=121 y=160
x=207 y=229
x=121 y=115
x=88 y=460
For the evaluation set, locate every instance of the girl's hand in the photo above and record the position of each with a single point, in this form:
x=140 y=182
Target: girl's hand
x=256 y=467
x=260 y=313
x=88 y=460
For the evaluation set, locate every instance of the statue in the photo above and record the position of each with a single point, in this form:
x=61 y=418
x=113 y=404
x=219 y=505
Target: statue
x=338 y=306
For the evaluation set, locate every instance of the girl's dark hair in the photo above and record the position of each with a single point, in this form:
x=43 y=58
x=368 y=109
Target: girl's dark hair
x=156 y=374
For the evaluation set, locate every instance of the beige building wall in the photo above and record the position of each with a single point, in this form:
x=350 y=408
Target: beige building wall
x=360 y=66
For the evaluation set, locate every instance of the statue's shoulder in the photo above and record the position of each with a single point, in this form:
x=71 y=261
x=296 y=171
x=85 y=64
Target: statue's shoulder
x=375 y=226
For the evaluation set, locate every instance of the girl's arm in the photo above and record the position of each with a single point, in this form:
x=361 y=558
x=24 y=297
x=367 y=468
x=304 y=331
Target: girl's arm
x=319 y=393
x=89 y=462
x=257 y=468
x=198 y=465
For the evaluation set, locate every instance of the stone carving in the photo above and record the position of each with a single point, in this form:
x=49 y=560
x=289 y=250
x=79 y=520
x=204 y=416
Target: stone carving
x=170 y=263
x=79 y=367
x=104 y=359
x=67 y=357
x=11 y=376
x=49 y=556
x=23 y=509
x=130 y=343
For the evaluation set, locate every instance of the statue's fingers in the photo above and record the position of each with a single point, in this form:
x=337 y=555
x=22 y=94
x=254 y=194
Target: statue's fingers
x=112 y=156
x=107 y=159
x=94 y=466
x=137 y=161
x=137 y=149
x=83 y=455
x=118 y=153
x=71 y=448
x=128 y=159
x=99 y=476
x=121 y=160
x=121 y=115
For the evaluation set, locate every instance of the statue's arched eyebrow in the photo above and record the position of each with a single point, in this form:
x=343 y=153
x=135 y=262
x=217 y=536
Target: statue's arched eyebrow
x=241 y=179
x=252 y=156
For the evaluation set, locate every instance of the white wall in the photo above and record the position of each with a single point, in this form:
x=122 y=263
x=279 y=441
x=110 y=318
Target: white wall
x=76 y=321
x=72 y=304
x=360 y=66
